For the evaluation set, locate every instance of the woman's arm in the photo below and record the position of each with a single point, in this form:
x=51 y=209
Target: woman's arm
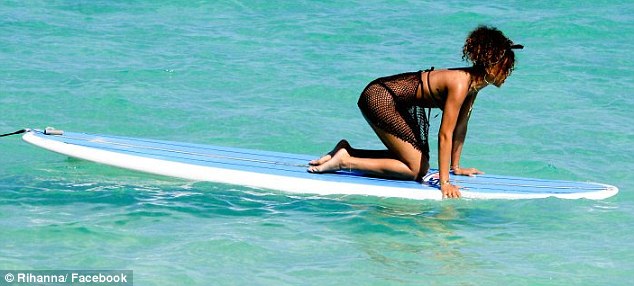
x=459 y=135
x=460 y=132
x=457 y=90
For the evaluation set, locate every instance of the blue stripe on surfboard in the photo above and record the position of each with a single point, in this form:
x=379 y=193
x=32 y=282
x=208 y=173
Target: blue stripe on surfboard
x=285 y=164
x=179 y=152
x=290 y=159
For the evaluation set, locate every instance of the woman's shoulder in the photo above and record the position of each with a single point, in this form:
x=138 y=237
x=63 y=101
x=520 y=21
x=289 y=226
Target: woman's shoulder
x=453 y=77
x=456 y=72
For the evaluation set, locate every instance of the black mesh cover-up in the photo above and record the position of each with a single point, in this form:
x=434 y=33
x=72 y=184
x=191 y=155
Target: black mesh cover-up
x=390 y=104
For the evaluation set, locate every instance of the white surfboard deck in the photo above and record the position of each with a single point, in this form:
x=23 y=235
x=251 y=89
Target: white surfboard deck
x=287 y=172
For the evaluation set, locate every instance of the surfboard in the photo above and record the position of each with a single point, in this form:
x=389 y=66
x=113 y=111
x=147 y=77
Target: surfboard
x=287 y=172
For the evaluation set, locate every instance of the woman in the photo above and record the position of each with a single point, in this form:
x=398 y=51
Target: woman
x=394 y=108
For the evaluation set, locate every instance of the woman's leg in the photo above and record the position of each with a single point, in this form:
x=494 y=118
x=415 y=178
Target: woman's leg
x=361 y=153
x=401 y=161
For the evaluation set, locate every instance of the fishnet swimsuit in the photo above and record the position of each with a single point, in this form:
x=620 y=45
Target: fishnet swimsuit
x=390 y=104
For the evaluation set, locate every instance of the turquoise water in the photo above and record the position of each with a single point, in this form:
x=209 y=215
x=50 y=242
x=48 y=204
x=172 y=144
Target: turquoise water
x=285 y=76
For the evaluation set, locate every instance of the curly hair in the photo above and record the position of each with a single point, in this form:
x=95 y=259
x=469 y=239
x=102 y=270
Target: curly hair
x=486 y=47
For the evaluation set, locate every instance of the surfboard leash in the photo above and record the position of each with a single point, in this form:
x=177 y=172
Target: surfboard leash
x=46 y=131
x=14 y=133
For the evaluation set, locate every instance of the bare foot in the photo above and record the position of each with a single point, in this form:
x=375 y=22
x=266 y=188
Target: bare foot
x=343 y=144
x=335 y=163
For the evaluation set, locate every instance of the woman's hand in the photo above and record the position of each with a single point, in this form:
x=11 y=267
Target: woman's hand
x=450 y=191
x=471 y=172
